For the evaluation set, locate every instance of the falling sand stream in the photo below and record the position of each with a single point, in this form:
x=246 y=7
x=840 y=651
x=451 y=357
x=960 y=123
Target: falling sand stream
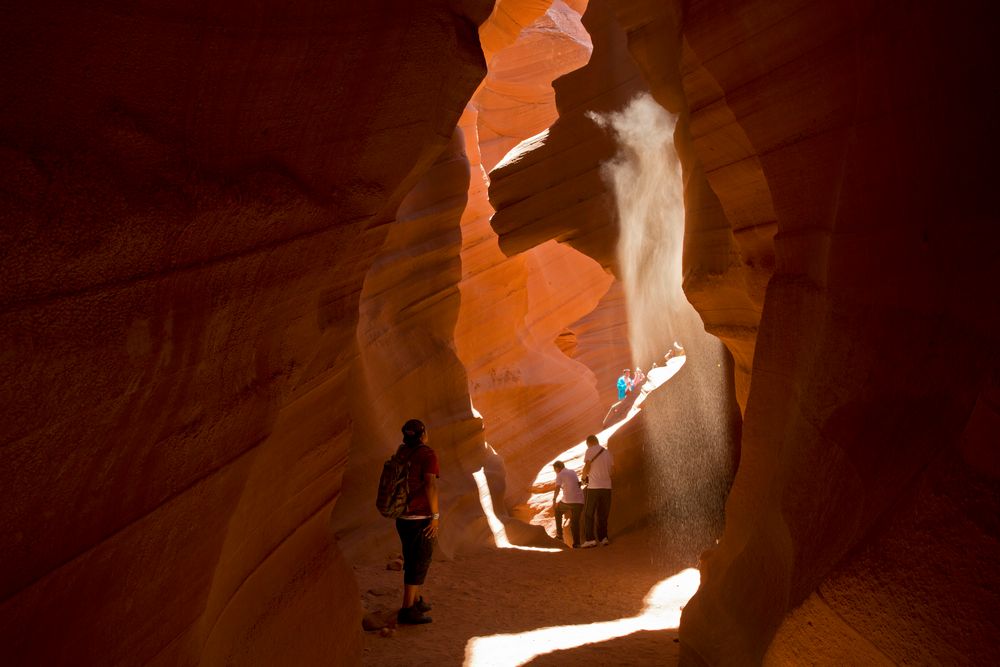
x=690 y=452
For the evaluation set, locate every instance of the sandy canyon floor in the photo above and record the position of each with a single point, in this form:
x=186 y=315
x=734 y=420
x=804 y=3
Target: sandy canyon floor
x=513 y=607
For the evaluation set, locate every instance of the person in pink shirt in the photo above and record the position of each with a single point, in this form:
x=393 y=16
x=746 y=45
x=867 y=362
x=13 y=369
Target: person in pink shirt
x=638 y=379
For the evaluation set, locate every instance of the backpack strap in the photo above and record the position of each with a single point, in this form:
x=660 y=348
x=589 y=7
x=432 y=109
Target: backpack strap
x=586 y=465
x=407 y=461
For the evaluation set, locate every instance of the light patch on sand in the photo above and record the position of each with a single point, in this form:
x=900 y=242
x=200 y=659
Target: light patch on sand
x=661 y=611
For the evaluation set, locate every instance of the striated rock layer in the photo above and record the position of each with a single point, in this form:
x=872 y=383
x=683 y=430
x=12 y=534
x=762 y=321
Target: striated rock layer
x=407 y=365
x=550 y=187
x=530 y=333
x=190 y=203
x=516 y=100
x=838 y=241
x=232 y=261
x=862 y=491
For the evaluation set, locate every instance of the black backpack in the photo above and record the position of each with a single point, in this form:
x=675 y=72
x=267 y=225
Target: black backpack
x=394 y=484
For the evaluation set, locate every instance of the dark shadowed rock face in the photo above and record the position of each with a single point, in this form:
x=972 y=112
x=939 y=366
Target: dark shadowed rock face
x=874 y=346
x=188 y=199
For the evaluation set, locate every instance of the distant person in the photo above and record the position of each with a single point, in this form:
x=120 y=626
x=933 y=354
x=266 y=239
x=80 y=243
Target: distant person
x=418 y=526
x=638 y=378
x=571 y=503
x=624 y=384
x=597 y=498
x=677 y=350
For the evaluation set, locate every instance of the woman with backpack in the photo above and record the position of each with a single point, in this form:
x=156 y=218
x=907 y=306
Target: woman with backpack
x=418 y=524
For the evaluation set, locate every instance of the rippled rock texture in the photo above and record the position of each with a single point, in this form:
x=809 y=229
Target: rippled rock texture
x=838 y=240
x=192 y=196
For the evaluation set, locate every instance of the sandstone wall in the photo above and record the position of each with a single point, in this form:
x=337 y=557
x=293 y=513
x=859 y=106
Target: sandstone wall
x=209 y=197
x=192 y=195
x=538 y=392
x=516 y=100
x=551 y=187
x=728 y=254
x=858 y=493
x=407 y=366
x=816 y=150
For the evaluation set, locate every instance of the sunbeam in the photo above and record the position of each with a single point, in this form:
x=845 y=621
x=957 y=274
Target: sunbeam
x=662 y=611
x=496 y=525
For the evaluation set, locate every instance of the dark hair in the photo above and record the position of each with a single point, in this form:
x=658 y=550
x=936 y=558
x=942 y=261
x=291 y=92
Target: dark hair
x=412 y=431
x=592 y=440
x=558 y=465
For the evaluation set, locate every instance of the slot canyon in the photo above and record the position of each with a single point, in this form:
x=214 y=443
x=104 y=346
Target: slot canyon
x=243 y=242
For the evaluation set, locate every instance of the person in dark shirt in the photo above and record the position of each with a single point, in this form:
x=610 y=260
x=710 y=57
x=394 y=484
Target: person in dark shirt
x=418 y=526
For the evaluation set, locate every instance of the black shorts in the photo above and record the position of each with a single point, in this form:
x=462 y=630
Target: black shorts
x=417 y=549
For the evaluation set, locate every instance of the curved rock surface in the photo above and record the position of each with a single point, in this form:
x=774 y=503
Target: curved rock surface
x=516 y=100
x=550 y=186
x=533 y=395
x=407 y=365
x=857 y=402
x=804 y=139
x=190 y=204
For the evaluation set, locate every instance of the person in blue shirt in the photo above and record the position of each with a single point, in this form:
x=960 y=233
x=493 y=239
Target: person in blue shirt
x=624 y=384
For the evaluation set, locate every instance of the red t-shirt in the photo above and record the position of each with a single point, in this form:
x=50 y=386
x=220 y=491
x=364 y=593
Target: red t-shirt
x=423 y=462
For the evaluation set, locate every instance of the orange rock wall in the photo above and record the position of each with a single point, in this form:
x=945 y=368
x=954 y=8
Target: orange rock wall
x=516 y=100
x=551 y=188
x=192 y=197
x=728 y=253
x=245 y=273
x=407 y=365
x=535 y=395
x=858 y=495
x=815 y=151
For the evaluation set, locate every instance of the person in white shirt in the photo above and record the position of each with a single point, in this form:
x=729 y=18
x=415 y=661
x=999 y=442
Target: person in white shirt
x=597 y=500
x=571 y=503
